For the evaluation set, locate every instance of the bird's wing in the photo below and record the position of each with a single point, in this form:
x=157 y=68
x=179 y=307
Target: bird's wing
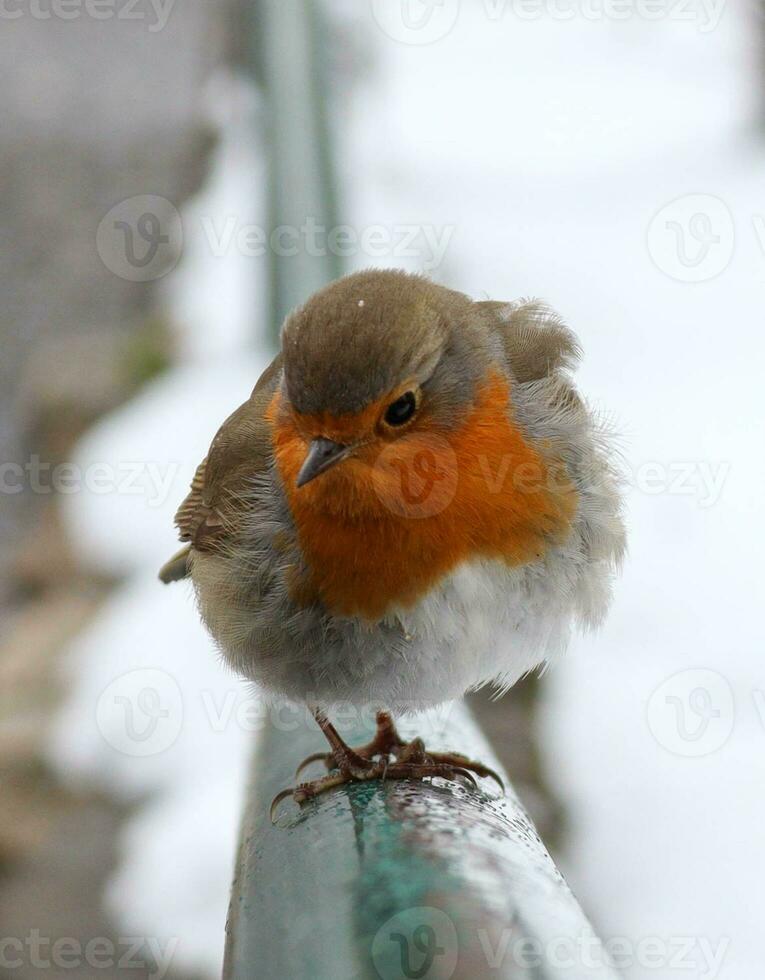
x=240 y=451
x=537 y=343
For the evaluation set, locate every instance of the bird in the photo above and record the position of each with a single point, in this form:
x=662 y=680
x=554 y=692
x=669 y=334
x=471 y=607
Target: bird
x=414 y=502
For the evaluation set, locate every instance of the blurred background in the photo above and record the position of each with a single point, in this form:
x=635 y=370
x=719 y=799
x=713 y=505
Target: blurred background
x=176 y=174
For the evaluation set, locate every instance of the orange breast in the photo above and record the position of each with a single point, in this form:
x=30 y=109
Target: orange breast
x=382 y=527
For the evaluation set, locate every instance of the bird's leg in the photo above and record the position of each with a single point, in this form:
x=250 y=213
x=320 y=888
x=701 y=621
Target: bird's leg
x=386 y=742
x=341 y=756
x=386 y=756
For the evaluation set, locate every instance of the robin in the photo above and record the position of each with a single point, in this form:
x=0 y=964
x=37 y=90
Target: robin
x=413 y=502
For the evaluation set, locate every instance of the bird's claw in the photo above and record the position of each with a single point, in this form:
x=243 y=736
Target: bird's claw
x=382 y=770
x=460 y=761
x=282 y=795
x=387 y=756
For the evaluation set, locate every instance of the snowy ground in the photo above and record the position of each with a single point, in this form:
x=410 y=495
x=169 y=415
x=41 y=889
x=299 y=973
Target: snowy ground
x=154 y=716
x=535 y=155
x=549 y=148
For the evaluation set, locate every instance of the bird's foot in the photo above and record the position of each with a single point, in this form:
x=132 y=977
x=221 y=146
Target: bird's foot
x=386 y=756
x=386 y=743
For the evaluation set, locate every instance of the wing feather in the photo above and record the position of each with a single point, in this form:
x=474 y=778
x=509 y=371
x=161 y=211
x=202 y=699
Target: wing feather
x=536 y=341
x=240 y=450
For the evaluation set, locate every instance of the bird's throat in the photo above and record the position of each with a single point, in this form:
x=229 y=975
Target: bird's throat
x=378 y=531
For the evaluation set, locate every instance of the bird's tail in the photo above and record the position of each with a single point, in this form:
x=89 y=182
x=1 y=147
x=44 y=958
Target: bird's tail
x=177 y=567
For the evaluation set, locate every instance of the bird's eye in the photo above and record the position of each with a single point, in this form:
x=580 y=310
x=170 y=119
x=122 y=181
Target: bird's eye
x=401 y=410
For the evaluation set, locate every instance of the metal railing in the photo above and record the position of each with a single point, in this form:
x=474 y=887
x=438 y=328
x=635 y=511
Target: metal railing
x=399 y=879
x=378 y=880
x=287 y=49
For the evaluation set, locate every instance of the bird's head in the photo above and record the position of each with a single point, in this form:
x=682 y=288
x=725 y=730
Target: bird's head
x=379 y=361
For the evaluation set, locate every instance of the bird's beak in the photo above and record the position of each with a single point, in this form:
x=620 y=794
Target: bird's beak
x=322 y=454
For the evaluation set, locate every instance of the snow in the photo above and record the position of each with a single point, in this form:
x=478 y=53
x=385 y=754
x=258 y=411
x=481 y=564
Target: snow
x=152 y=445
x=153 y=716
x=541 y=152
x=213 y=267
x=548 y=149
x=186 y=764
x=660 y=844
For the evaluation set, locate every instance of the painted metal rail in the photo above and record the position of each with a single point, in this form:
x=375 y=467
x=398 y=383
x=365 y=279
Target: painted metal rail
x=399 y=879
x=287 y=47
x=377 y=880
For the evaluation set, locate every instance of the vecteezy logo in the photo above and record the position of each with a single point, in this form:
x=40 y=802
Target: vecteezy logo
x=416 y=943
x=692 y=713
x=419 y=480
x=141 y=712
x=415 y=21
x=141 y=238
x=426 y=474
x=691 y=239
